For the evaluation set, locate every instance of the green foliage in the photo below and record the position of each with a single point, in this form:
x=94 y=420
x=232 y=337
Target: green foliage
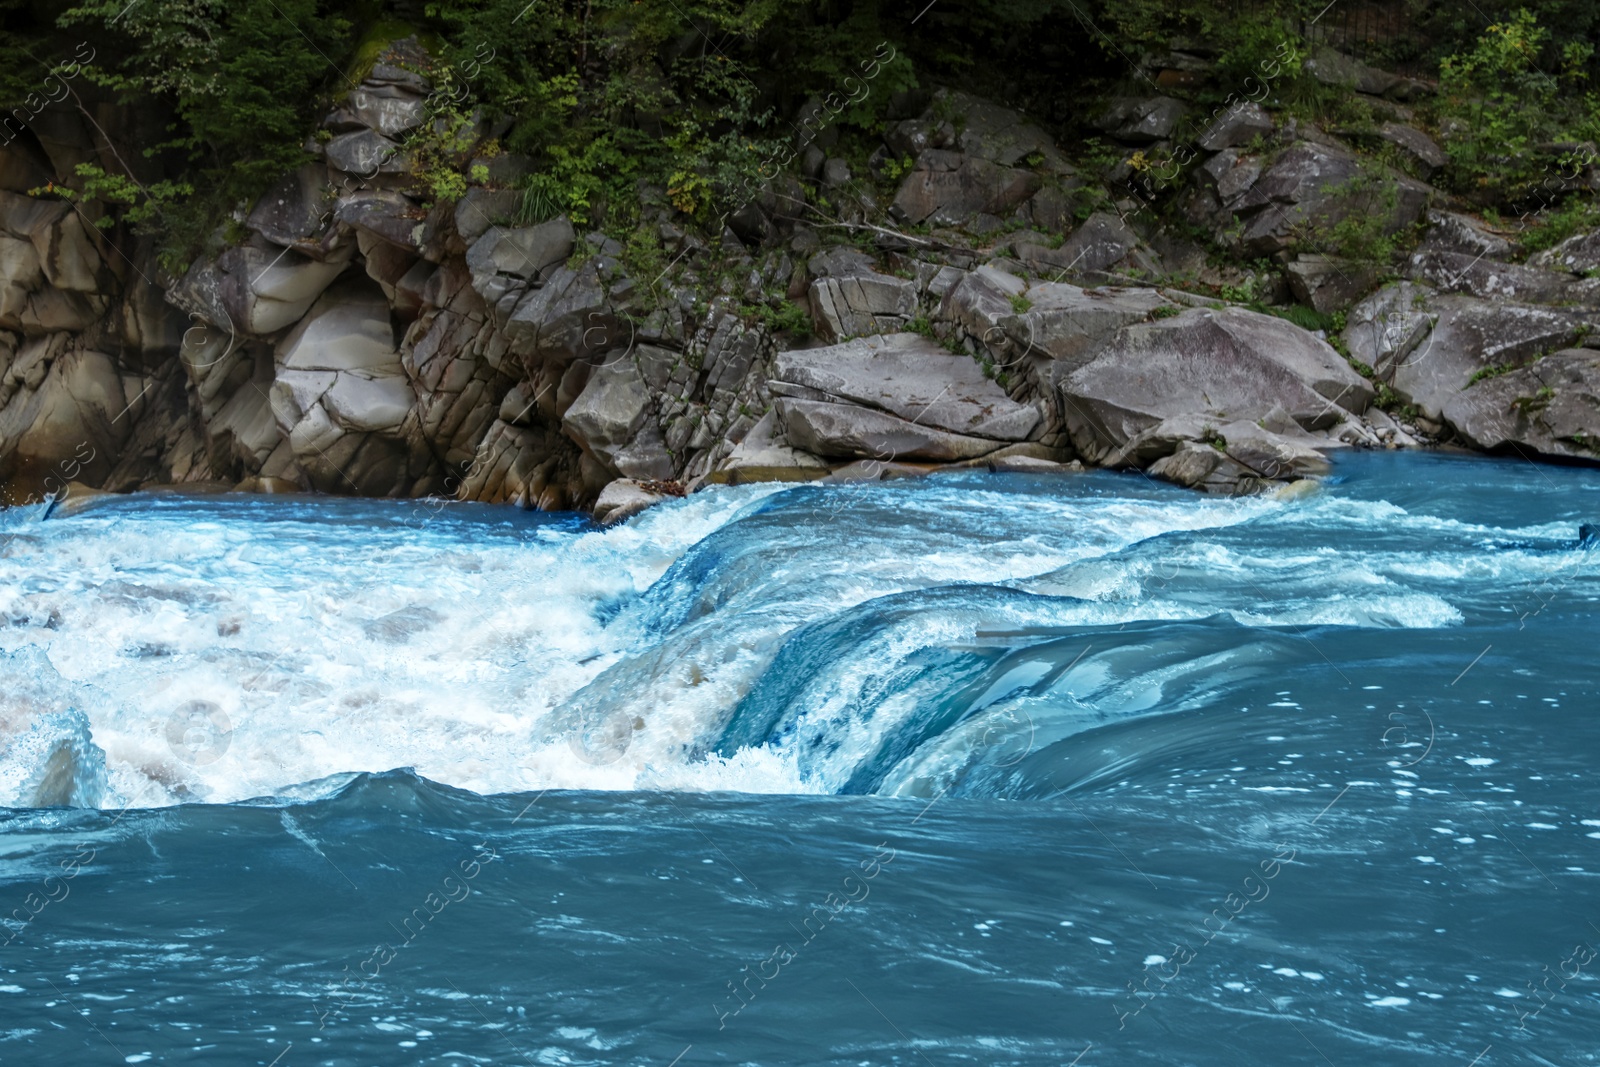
x=1578 y=215
x=1166 y=311
x=1493 y=371
x=145 y=205
x=1306 y=318
x=1356 y=225
x=787 y=317
x=1020 y=304
x=1499 y=100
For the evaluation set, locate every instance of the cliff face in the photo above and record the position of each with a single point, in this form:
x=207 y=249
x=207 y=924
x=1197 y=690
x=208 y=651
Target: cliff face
x=1003 y=309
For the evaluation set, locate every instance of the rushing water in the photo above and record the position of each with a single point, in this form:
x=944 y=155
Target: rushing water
x=983 y=769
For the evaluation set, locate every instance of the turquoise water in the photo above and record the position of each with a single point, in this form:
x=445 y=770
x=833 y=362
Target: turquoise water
x=987 y=769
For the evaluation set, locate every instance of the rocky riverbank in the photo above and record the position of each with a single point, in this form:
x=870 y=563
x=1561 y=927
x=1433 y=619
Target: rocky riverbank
x=1007 y=307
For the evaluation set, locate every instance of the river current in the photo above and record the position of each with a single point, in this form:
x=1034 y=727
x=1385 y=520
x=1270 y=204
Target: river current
x=973 y=769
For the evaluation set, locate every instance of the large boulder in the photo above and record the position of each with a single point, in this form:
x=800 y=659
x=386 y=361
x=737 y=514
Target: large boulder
x=341 y=394
x=1549 y=407
x=296 y=211
x=1239 y=124
x=1469 y=341
x=256 y=291
x=1141 y=119
x=910 y=377
x=609 y=410
x=1070 y=325
x=1224 y=365
x=861 y=302
x=1577 y=255
x=565 y=319
x=951 y=187
x=848 y=431
x=62 y=419
x=1490 y=279
x=1317 y=185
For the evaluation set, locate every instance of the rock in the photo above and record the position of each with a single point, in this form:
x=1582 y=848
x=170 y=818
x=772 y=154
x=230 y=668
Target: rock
x=997 y=134
x=20 y=277
x=1550 y=407
x=1385 y=327
x=1141 y=119
x=1327 y=283
x=1070 y=325
x=1333 y=68
x=862 y=303
x=386 y=109
x=1239 y=124
x=369 y=402
x=63 y=424
x=347 y=330
x=65 y=253
x=1469 y=338
x=948 y=187
x=835 y=172
x=1577 y=255
x=1424 y=153
x=525 y=252
x=251 y=290
x=980 y=300
x=609 y=409
x=1490 y=279
x=1314 y=183
x=480 y=209
x=911 y=377
x=1231 y=174
x=766 y=455
x=567 y=318
x=1449 y=232
x=366 y=153
x=845 y=430
x=1099 y=244
x=1224 y=365
x=296 y=210
x=624 y=498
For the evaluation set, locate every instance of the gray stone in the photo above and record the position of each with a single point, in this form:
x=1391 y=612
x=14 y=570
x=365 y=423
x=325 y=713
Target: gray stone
x=1471 y=336
x=1450 y=232
x=1224 y=365
x=1101 y=242
x=295 y=210
x=864 y=303
x=608 y=410
x=1070 y=325
x=524 y=252
x=366 y=153
x=1385 y=327
x=1334 y=68
x=1490 y=279
x=1313 y=183
x=913 y=378
x=1549 y=407
x=388 y=109
x=1427 y=155
x=1239 y=124
x=1577 y=255
x=948 y=187
x=482 y=208
x=1142 y=119
x=845 y=430
x=624 y=498
x=1327 y=283
x=567 y=318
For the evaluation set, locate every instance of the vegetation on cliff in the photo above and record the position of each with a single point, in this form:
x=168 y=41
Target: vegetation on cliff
x=699 y=98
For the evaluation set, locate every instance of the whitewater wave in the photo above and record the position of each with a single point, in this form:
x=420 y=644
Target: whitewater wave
x=903 y=638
